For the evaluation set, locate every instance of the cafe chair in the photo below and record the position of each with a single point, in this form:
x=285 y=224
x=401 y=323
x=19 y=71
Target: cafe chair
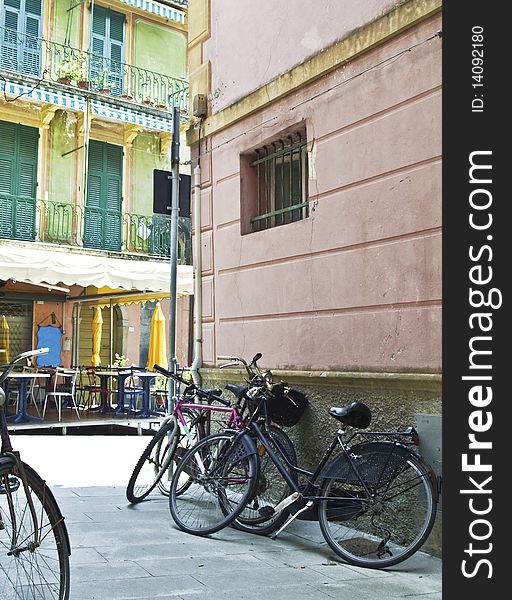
x=64 y=391
x=134 y=391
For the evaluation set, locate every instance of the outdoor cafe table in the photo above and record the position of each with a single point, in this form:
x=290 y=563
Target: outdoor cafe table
x=146 y=378
x=23 y=379
x=104 y=377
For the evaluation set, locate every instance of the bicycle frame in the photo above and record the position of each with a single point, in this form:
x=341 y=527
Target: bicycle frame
x=313 y=476
x=234 y=421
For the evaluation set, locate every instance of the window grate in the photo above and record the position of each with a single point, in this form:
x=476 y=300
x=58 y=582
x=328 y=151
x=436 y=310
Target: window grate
x=282 y=180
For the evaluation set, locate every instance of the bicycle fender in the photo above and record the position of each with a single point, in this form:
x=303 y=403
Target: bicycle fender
x=6 y=462
x=340 y=468
x=405 y=451
x=245 y=445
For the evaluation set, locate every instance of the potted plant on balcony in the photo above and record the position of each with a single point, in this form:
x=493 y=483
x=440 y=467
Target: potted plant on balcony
x=147 y=102
x=102 y=83
x=68 y=72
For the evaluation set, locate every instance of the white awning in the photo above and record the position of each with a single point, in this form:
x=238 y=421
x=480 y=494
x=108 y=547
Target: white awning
x=35 y=263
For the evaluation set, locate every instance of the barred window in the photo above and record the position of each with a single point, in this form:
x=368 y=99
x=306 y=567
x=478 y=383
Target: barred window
x=281 y=179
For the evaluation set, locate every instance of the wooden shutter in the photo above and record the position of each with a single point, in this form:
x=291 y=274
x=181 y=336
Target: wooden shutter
x=113 y=195
x=21 y=39
x=116 y=49
x=26 y=181
x=7 y=159
x=93 y=213
x=107 y=45
x=99 y=44
x=31 y=41
x=9 y=39
x=103 y=214
x=18 y=180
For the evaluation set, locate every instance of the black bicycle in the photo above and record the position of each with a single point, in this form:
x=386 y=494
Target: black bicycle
x=34 y=543
x=375 y=499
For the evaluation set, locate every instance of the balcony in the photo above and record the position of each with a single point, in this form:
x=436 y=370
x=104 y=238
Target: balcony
x=26 y=219
x=84 y=72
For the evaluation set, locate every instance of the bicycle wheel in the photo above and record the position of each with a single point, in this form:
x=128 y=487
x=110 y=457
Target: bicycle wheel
x=190 y=433
x=257 y=516
x=222 y=474
x=156 y=464
x=391 y=522
x=34 y=560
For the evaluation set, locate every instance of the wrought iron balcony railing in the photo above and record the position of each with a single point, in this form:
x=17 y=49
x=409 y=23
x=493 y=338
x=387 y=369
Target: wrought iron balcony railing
x=54 y=62
x=27 y=219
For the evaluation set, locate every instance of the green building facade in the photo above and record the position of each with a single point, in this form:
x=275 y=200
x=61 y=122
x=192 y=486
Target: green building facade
x=87 y=91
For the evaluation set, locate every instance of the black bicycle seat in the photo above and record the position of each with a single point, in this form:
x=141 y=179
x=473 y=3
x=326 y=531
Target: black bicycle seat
x=356 y=415
x=238 y=390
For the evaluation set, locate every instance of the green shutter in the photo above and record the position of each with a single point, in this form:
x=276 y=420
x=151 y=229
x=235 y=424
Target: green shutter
x=103 y=213
x=18 y=180
x=9 y=36
x=98 y=45
x=21 y=51
x=107 y=43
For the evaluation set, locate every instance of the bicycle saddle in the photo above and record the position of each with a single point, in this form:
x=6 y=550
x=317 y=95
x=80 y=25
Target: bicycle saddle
x=356 y=415
x=238 y=390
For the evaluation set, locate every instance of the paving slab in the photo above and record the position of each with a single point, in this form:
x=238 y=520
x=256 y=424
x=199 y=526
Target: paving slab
x=124 y=552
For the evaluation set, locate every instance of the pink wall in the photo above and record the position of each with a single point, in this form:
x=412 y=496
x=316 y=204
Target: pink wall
x=356 y=285
x=281 y=36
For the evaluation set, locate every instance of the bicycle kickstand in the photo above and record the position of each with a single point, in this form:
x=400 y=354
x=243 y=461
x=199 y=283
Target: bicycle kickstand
x=308 y=505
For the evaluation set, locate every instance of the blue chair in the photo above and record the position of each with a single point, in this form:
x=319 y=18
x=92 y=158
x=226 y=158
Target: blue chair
x=134 y=391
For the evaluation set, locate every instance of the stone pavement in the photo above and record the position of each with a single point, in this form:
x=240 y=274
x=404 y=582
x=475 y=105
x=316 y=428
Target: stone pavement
x=124 y=552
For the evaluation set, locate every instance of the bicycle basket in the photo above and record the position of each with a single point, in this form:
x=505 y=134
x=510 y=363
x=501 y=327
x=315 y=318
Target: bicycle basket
x=286 y=405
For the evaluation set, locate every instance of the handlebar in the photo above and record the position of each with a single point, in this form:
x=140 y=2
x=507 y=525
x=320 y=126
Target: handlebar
x=253 y=371
x=170 y=374
x=201 y=393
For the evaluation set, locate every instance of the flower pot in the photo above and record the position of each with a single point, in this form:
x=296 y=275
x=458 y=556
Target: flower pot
x=161 y=106
x=147 y=102
x=65 y=80
x=126 y=97
x=83 y=84
x=104 y=90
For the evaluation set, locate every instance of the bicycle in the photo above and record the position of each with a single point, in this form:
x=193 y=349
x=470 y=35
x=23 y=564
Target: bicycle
x=188 y=423
x=375 y=500
x=34 y=543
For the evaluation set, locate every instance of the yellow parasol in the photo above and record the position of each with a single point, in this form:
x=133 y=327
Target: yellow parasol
x=157 y=353
x=97 y=323
x=5 y=342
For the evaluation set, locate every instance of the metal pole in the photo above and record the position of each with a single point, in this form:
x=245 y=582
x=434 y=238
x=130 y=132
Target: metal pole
x=175 y=203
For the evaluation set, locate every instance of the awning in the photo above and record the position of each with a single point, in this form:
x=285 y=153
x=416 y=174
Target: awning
x=34 y=263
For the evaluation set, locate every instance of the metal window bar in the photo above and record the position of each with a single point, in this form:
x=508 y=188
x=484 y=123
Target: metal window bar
x=281 y=172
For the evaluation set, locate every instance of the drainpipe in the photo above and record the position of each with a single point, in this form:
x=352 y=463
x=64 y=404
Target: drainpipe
x=198 y=309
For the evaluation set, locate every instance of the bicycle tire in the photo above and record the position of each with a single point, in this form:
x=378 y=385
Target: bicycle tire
x=390 y=524
x=29 y=572
x=153 y=466
x=270 y=489
x=223 y=474
x=196 y=432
